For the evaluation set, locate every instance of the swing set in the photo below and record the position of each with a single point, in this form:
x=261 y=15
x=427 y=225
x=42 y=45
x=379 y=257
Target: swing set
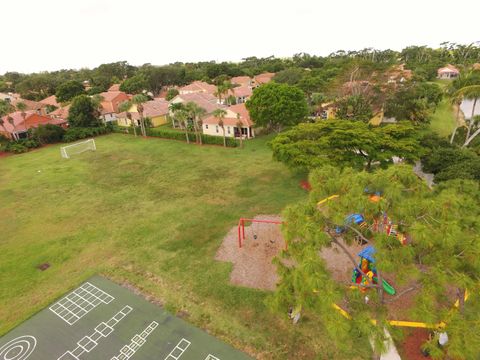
x=241 y=228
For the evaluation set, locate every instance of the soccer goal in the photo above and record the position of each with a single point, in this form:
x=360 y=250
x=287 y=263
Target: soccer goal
x=77 y=148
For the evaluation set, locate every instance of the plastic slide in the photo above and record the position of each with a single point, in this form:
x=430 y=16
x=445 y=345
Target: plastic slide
x=388 y=288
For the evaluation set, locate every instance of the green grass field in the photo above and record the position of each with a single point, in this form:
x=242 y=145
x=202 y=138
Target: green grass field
x=152 y=213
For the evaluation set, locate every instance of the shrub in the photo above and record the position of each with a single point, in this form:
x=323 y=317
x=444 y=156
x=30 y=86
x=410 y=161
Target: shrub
x=179 y=135
x=21 y=146
x=77 y=133
x=47 y=134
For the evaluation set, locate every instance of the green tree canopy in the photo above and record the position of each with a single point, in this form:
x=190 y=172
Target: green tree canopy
x=414 y=102
x=68 y=90
x=277 y=105
x=83 y=112
x=345 y=143
x=355 y=107
x=443 y=254
x=134 y=85
x=171 y=93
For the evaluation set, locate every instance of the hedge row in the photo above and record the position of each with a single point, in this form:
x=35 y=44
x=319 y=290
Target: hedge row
x=49 y=134
x=179 y=135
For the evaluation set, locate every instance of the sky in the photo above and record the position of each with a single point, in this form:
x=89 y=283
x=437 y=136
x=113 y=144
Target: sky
x=46 y=35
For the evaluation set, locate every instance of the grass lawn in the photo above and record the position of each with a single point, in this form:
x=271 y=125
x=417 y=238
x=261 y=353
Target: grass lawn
x=151 y=212
x=443 y=120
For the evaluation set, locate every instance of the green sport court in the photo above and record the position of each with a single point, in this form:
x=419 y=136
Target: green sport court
x=102 y=320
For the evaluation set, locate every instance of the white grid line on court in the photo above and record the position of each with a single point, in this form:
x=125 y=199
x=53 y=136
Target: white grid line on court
x=102 y=330
x=211 y=357
x=178 y=350
x=80 y=302
x=136 y=343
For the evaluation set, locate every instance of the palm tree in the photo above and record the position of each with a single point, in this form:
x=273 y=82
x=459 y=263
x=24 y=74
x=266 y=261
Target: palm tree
x=125 y=107
x=219 y=93
x=138 y=100
x=196 y=113
x=22 y=107
x=470 y=92
x=174 y=107
x=220 y=115
x=228 y=86
x=456 y=101
x=182 y=116
x=240 y=126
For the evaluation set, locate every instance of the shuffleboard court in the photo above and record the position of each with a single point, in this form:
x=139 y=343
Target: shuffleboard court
x=101 y=320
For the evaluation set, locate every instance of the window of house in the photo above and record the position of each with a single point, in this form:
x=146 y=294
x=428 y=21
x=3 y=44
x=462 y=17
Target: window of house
x=206 y=126
x=228 y=129
x=216 y=128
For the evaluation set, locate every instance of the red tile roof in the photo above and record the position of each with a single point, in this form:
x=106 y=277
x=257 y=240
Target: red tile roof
x=61 y=113
x=32 y=120
x=111 y=100
x=114 y=87
x=198 y=87
x=51 y=100
x=231 y=117
x=264 y=78
x=204 y=100
x=31 y=105
x=242 y=91
x=153 y=108
x=241 y=80
x=449 y=68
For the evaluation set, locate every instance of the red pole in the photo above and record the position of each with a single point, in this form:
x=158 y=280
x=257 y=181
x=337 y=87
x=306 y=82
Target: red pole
x=239 y=237
x=243 y=228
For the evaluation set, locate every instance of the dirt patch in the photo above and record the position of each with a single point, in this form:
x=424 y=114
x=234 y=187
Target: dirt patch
x=411 y=347
x=252 y=263
x=338 y=263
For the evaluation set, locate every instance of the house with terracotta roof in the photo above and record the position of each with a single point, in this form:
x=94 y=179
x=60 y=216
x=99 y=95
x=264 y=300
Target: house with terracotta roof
x=110 y=103
x=241 y=93
x=235 y=114
x=51 y=100
x=262 y=78
x=114 y=87
x=242 y=80
x=476 y=66
x=14 y=126
x=156 y=110
x=60 y=113
x=204 y=100
x=448 y=72
x=197 y=87
x=37 y=106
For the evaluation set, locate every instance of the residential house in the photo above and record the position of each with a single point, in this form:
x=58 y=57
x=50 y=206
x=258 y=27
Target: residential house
x=235 y=113
x=14 y=126
x=197 y=87
x=114 y=87
x=476 y=66
x=9 y=97
x=36 y=106
x=242 y=80
x=110 y=102
x=448 y=72
x=156 y=110
x=241 y=93
x=51 y=104
x=262 y=79
x=204 y=100
x=60 y=113
x=398 y=74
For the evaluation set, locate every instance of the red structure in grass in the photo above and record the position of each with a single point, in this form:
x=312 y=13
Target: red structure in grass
x=241 y=228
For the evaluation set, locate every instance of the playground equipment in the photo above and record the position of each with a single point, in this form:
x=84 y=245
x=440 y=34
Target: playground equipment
x=241 y=228
x=367 y=265
x=357 y=219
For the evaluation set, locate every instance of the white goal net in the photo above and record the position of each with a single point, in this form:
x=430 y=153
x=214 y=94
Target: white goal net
x=77 y=148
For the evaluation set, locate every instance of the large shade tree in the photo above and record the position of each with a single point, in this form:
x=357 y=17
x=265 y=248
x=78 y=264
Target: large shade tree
x=83 y=112
x=68 y=90
x=436 y=267
x=275 y=106
x=345 y=143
